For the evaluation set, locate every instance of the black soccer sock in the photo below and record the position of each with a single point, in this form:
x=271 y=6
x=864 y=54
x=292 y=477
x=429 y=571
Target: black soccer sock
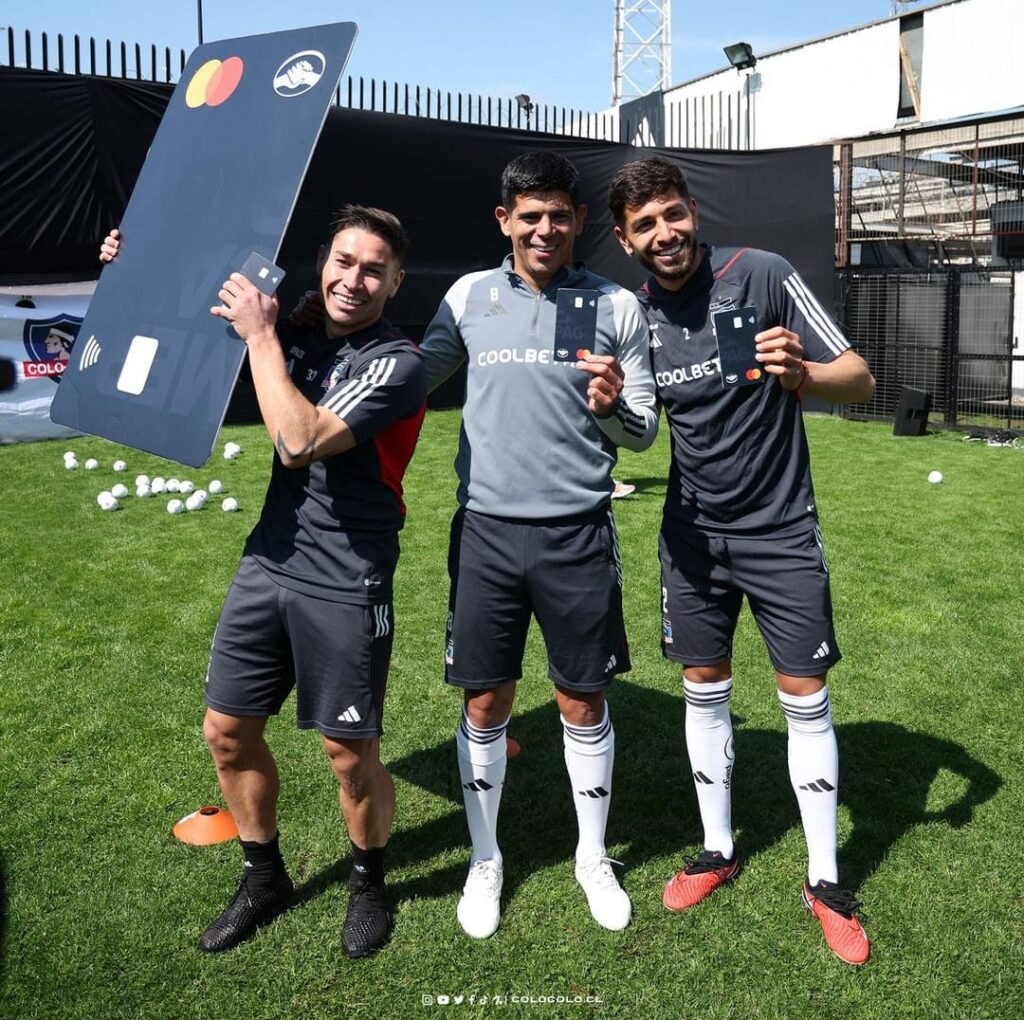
x=264 y=866
x=369 y=864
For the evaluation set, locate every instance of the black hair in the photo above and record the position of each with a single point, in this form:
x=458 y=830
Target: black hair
x=538 y=173
x=642 y=180
x=379 y=222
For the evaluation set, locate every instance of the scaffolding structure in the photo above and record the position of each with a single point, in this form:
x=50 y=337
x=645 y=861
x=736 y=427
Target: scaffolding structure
x=955 y=192
x=643 y=49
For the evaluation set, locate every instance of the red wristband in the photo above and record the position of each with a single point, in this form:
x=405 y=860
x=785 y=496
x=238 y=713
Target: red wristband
x=803 y=377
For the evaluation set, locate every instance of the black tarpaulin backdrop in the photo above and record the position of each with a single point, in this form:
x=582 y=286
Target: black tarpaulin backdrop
x=73 y=146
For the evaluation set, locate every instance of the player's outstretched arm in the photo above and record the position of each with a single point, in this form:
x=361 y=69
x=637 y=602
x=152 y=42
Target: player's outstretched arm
x=843 y=380
x=809 y=352
x=846 y=380
x=300 y=431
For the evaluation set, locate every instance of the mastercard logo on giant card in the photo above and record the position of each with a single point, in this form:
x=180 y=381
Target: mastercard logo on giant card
x=214 y=82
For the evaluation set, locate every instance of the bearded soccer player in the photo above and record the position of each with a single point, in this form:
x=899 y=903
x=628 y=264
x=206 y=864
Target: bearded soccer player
x=311 y=604
x=740 y=518
x=558 y=377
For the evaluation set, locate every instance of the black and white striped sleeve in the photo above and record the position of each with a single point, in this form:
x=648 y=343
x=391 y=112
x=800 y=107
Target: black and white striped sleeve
x=802 y=313
x=634 y=421
x=390 y=386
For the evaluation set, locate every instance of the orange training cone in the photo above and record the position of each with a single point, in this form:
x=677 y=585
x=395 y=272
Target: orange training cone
x=206 y=826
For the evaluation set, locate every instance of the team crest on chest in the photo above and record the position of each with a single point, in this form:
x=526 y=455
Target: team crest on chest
x=719 y=303
x=338 y=372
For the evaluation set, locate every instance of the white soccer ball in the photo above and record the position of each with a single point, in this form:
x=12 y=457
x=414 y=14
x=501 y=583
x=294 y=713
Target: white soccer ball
x=175 y=506
x=233 y=447
x=173 y=485
x=119 y=465
x=141 y=480
x=158 y=485
x=106 y=501
x=935 y=477
x=230 y=454
x=229 y=504
x=119 y=491
x=70 y=454
x=216 y=486
x=143 y=492
x=200 y=494
x=91 y=464
x=70 y=463
x=192 y=503
x=186 y=486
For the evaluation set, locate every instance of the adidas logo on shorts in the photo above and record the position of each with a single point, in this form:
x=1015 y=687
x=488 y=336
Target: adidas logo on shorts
x=350 y=715
x=822 y=651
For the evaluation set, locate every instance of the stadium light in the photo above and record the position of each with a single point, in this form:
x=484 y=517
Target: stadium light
x=741 y=56
x=526 y=105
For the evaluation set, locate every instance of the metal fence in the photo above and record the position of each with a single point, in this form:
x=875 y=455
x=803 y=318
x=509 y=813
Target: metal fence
x=950 y=332
x=77 y=55
x=953 y=193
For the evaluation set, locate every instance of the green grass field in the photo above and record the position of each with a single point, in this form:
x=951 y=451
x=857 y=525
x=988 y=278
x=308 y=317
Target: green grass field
x=106 y=624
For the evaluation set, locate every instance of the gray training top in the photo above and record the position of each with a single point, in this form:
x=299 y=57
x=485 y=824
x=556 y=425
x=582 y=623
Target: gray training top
x=530 y=448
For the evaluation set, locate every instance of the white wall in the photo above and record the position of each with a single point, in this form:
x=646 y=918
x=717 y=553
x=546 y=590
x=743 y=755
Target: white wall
x=848 y=85
x=972 y=60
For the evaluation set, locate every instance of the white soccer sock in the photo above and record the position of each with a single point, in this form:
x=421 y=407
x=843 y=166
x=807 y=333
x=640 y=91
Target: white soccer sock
x=483 y=755
x=814 y=773
x=709 y=744
x=589 y=756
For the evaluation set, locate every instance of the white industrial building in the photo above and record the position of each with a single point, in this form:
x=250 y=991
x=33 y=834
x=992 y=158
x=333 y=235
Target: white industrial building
x=933 y=64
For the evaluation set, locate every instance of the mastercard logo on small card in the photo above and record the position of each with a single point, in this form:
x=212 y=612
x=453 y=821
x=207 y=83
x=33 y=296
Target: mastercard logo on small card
x=214 y=83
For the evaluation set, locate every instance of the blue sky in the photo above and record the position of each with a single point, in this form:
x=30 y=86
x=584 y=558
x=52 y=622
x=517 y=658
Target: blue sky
x=557 y=51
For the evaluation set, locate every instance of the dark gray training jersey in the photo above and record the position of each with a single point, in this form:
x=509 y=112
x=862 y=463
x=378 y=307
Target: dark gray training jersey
x=330 y=529
x=530 y=448
x=739 y=456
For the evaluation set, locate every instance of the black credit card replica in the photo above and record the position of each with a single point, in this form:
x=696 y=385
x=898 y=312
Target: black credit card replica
x=154 y=369
x=735 y=329
x=575 y=324
x=262 y=273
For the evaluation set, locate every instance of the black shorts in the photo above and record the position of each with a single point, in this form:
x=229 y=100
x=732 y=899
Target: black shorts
x=270 y=639
x=785 y=579
x=564 y=572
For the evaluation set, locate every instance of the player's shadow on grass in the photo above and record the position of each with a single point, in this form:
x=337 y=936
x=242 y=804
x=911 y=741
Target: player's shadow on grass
x=887 y=774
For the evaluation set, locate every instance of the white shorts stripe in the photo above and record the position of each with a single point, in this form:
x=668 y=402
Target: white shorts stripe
x=381 y=621
x=615 y=547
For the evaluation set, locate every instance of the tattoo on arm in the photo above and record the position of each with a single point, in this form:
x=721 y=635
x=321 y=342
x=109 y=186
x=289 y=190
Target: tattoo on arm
x=304 y=453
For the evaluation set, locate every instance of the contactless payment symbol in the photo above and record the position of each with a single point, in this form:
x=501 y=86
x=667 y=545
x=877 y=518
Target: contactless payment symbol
x=214 y=82
x=299 y=73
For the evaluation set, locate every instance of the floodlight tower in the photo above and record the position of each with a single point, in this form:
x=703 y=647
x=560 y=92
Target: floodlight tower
x=643 y=48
